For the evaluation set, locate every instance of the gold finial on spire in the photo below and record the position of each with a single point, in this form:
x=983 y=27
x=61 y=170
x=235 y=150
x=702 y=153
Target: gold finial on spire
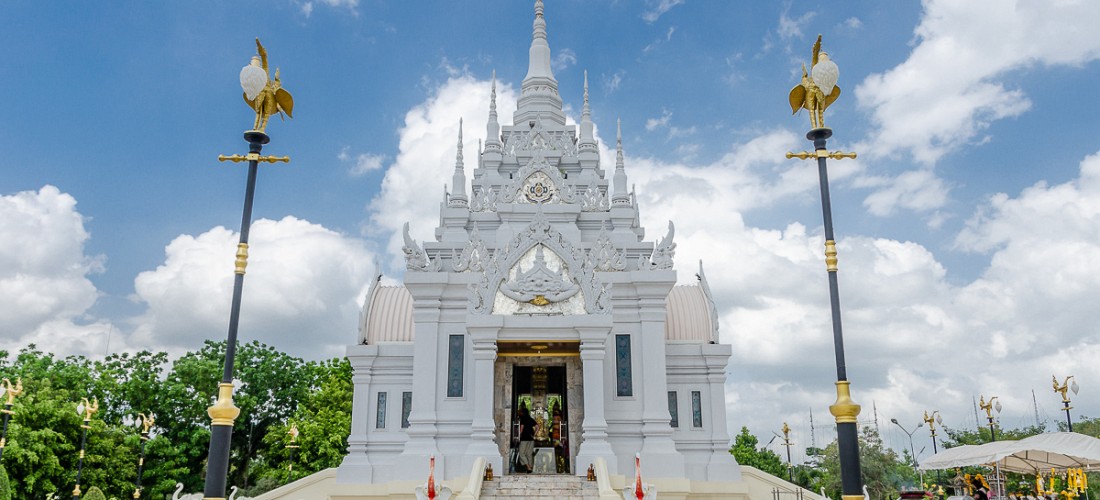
x=818 y=88
x=264 y=95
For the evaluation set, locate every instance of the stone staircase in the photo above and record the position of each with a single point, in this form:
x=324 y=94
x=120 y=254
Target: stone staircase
x=556 y=486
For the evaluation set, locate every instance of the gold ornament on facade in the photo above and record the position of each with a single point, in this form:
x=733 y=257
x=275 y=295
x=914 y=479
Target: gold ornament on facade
x=266 y=96
x=87 y=409
x=818 y=88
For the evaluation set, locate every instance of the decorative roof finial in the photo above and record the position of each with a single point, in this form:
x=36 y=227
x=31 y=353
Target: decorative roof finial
x=458 y=181
x=492 y=129
x=539 y=91
x=588 y=139
x=619 y=197
x=540 y=22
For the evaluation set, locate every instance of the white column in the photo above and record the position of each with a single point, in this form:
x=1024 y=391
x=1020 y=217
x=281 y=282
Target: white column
x=356 y=466
x=482 y=438
x=594 y=427
x=413 y=460
x=659 y=455
x=722 y=465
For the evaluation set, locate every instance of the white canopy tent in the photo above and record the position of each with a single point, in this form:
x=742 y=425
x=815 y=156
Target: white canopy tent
x=1041 y=452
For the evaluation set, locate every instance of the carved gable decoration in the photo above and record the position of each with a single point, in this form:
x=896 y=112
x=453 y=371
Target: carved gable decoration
x=539 y=272
x=538 y=182
x=473 y=256
x=539 y=139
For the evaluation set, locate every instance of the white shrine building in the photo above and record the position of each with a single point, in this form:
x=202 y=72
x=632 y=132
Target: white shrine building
x=540 y=290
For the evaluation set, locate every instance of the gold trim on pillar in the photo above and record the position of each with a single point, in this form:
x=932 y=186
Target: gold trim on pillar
x=845 y=410
x=830 y=256
x=224 y=412
x=242 y=258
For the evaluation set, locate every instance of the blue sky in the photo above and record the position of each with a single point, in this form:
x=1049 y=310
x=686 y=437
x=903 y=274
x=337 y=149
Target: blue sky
x=968 y=227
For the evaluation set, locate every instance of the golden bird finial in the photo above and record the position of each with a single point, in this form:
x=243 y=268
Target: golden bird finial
x=266 y=96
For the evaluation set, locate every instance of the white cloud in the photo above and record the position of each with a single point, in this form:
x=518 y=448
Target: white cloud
x=791 y=28
x=853 y=23
x=45 y=290
x=303 y=289
x=563 y=58
x=426 y=156
x=655 y=12
x=655 y=123
x=350 y=5
x=611 y=82
x=915 y=190
x=365 y=163
x=963 y=70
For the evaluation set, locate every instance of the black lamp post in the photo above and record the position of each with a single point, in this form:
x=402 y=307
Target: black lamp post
x=87 y=410
x=7 y=390
x=932 y=420
x=145 y=421
x=815 y=93
x=267 y=98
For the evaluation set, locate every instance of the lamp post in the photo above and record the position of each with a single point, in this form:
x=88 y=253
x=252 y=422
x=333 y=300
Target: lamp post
x=787 y=443
x=932 y=420
x=1061 y=389
x=912 y=451
x=266 y=97
x=815 y=93
x=988 y=406
x=83 y=408
x=6 y=389
x=293 y=432
x=145 y=421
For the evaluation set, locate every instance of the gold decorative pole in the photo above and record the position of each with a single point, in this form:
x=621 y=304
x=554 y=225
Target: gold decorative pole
x=83 y=408
x=266 y=97
x=1061 y=389
x=815 y=93
x=932 y=420
x=146 y=422
x=6 y=389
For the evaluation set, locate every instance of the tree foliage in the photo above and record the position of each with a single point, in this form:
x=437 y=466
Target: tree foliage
x=747 y=452
x=5 y=485
x=884 y=472
x=44 y=432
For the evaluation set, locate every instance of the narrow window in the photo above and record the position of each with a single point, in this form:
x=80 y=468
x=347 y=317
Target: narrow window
x=672 y=410
x=696 y=409
x=406 y=408
x=624 y=384
x=454 y=367
x=380 y=417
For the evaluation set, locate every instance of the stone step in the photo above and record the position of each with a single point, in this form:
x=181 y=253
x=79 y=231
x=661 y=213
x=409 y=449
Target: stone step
x=556 y=486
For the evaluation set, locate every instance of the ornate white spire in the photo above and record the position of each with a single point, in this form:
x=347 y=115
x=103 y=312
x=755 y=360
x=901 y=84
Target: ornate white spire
x=492 y=129
x=458 y=181
x=619 y=197
x=540 y=90
x=588 y=139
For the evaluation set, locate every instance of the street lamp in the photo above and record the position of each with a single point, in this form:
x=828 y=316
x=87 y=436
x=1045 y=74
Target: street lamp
x=787 y=443
x=815 y=93
x=932 y=420
x=266 y=97
x=145 y=421
x=1061 y=389
x=988 y=406
x=912 y=451
x=6 y=389
x=293 y=432
x=83 y=408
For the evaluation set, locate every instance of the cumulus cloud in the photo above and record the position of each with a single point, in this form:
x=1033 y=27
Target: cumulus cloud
x=45 y=290
x=302 y=294
x=964 y=70
x=426 y=156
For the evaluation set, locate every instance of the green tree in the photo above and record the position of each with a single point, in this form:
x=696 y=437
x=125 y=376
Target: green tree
x=884 y=472
x=94 y=493
x=323 y=419
x=746 y=451
x=5 y=485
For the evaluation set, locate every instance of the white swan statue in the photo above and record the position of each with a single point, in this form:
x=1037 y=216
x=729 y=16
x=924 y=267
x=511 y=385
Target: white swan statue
x=190 y=496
